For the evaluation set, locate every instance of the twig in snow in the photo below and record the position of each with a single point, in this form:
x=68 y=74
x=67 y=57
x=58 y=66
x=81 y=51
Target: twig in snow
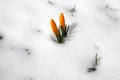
x=73 y=9
x=38 y=30
x=110 y=8
x=28 y=51
x=50 y=2
x=91 y=69
x=1 y=37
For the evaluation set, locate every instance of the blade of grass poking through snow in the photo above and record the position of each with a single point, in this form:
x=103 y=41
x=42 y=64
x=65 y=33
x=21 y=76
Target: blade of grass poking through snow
x=96 y=62
x=93 y=68
x=56 y=31
x=63 y=27
x=67 y=29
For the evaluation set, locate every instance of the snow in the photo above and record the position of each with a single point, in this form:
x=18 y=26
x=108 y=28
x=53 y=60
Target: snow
x=28 y=50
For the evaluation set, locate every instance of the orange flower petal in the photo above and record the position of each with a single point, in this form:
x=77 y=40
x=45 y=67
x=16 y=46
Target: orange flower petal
x=54 y=27
x=62 y=20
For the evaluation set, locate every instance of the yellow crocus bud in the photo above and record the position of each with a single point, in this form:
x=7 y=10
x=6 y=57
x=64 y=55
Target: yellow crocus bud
x=62 y=20
x=54 y=27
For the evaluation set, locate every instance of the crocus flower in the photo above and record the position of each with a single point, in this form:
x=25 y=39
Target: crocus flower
x=56 y=31
x=54 y=27
x=62 y=20
x=64 y=28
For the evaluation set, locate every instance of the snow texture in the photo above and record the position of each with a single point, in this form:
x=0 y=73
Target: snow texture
x=28 y=50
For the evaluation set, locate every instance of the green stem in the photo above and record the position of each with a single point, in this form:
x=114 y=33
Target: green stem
x=64 y=31
x=96 y=61
x=59 y=38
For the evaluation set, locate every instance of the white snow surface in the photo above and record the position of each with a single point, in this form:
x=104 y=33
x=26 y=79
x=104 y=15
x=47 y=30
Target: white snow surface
x=28 y=51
